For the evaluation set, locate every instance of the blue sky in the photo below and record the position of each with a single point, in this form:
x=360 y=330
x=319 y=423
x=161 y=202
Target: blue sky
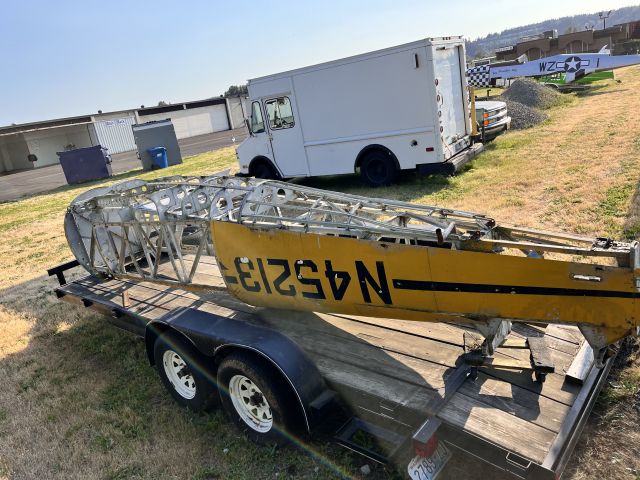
x=65 y=57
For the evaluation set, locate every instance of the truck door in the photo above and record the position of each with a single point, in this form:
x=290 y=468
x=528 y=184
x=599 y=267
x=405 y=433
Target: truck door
x=258 y=144
x=451 y=96
x=286 y=137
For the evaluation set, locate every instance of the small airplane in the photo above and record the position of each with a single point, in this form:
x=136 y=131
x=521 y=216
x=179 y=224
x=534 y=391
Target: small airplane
x=573 y=66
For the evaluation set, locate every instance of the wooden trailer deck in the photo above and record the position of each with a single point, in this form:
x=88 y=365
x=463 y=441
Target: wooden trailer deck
x=402 y=366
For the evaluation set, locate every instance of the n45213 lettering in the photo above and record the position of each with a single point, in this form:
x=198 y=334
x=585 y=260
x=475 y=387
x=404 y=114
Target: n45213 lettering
x=309 y=279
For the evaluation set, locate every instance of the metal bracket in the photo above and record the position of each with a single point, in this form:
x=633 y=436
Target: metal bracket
x=539 y=363
x=59 y=270
x=597 y=339
x=495 y=332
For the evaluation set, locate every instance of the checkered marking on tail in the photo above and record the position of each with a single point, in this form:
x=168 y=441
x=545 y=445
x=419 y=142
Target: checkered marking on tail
x=479 y=76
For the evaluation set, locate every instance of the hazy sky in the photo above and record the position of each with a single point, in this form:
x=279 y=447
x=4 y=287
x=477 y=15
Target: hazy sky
x=62 y=58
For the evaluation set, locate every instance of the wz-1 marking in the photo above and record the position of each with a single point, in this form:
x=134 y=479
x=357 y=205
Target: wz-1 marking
x=571 y=65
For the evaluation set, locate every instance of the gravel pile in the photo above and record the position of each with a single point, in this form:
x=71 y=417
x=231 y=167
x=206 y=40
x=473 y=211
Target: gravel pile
x=530 y=93
x=523 y=116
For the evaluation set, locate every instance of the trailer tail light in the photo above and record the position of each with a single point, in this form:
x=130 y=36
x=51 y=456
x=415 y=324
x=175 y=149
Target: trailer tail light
x=486 y=122
x=485 y=115
x=429 y=149
x=426 y=449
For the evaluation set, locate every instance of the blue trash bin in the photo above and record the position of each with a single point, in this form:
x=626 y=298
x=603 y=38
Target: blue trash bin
x=159 y=157
x=85 y=164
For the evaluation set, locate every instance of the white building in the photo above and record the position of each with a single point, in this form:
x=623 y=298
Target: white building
x=33 y=145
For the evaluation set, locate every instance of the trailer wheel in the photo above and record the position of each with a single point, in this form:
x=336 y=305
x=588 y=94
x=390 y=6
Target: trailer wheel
x=262 y=169
x=184 y=373
x=378 y=169
x=257 y=399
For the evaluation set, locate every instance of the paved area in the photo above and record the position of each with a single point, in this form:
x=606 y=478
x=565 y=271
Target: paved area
x=28 y=182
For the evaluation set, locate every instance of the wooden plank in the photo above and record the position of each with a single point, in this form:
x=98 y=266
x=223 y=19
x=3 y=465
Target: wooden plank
x=581 y=365
x=519 y=435
x=540 y=410
x=523 y=330
x=422 y=348
x=370 y=358
x=343 y=378
x=537 y=409
x=565 y=332
x=518 y=401
x=525 y=438
x=560 y=360
x=555 y=387
x=540 y=354
x=435 y=331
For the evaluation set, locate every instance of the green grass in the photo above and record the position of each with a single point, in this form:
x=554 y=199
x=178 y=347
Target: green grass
x=616 y=200
x=622 y=389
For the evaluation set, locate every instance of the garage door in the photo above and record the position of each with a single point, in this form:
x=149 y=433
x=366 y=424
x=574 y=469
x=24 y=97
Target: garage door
x=200 y=121
x=116 y=134
x=192 y=124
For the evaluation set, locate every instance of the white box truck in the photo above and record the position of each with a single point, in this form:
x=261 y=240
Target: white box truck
x=404 y=107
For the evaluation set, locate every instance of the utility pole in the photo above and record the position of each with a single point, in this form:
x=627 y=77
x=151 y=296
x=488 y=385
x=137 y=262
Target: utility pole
x=603 y=16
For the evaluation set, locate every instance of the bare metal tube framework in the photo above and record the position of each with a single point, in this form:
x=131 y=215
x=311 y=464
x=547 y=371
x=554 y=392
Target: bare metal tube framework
x=476 y=270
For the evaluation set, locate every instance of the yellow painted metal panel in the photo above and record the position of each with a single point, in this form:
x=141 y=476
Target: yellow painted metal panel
x=303 y=271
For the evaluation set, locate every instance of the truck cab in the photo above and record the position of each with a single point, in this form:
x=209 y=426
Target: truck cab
x=272 y=121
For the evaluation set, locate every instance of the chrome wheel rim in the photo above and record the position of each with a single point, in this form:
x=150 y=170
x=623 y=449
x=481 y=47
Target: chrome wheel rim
x=179 y=374
x=250 y=403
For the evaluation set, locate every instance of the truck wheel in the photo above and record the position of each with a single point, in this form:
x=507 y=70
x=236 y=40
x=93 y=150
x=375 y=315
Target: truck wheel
x=264 y=170
x=184 y=373
x=257 y=399
x=378 y=169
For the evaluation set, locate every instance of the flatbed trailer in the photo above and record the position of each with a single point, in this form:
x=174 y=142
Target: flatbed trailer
x=398 y=382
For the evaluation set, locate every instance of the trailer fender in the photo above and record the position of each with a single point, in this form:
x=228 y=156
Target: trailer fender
x=215 y=336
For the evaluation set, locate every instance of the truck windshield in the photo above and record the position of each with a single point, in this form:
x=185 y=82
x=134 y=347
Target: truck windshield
x=257 y=122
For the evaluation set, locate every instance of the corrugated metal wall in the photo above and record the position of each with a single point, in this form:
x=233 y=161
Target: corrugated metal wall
x=116 y=134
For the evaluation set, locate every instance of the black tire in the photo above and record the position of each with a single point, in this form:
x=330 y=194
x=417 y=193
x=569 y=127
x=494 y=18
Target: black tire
x=193 y=375
x=272 y=388
x=378 y=169
x=263 y=169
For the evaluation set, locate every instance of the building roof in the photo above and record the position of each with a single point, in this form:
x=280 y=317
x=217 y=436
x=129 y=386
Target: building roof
x=57 y=123
x=90 y=118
